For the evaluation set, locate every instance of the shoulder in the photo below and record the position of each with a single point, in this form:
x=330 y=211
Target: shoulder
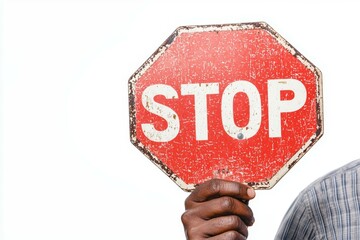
x=352 y=168
x=336 y=188
x=311 y=213
x=345 y=176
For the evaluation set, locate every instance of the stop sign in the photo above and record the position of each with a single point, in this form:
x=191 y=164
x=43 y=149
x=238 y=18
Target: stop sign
x=234 y=101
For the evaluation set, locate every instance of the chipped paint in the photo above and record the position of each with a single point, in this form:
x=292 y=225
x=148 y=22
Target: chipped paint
x=189 y=161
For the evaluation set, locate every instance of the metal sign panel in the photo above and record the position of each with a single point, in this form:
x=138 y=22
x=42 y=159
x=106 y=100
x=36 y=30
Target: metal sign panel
x=233 y=101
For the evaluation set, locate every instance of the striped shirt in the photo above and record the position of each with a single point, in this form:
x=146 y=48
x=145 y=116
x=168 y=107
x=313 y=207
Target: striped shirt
x=328 y=209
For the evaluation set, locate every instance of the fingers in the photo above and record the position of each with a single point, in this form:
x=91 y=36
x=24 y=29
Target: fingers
x=216 y=188
x=227 y=224
x=217 y=209
x=227 y=227
x=222 y=207
x=232 y=235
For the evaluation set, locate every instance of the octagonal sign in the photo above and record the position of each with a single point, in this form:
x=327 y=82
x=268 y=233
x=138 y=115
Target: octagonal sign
x=234 y=101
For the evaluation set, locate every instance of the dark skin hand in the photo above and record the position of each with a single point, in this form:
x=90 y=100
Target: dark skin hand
x=218 y=210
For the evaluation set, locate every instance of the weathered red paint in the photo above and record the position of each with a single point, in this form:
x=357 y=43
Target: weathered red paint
x=223 y=54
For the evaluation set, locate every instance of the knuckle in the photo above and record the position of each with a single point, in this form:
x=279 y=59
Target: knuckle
x=188 y=202
x=192 y=233
x=215 y=186
x=234 y=222
x=227 y=204
x=186 y=218
x=191 y=230
x=233 y=235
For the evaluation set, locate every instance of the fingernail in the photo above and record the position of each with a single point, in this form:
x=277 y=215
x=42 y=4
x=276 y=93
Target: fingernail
x=250 y=192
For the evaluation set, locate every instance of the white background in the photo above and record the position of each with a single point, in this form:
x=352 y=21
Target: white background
x=68 y=170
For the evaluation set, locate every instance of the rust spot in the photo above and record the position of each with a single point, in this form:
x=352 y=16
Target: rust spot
x=171 y=38
x=259 y=27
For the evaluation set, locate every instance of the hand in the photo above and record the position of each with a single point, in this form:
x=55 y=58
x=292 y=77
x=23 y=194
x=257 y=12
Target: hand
x=218 y=210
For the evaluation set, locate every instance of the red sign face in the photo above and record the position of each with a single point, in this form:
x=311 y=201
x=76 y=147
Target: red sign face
x=236 y=102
